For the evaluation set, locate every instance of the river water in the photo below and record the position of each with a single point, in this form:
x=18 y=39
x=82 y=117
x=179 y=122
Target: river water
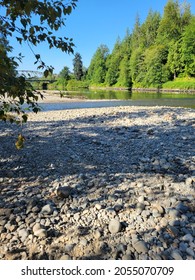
x=100 y=98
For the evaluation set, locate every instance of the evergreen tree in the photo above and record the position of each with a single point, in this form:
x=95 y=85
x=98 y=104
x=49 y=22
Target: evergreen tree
x=97 y=68
x=173 y=22
x=113 y=63
x=188 y=48
x=65 y=73
x=155 y=60
x=149 y=29
x=175 y=63
x=124 y=79
x=136 y=34
x=78 y=67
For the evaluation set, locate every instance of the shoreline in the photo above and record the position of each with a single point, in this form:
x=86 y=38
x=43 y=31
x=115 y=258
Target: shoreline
x=54 y=97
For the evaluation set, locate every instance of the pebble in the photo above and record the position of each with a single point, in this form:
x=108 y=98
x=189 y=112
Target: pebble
x=65 y=258
x=140 y=246
x=104 y=194
x=114 y=226
x=64 y=192
x=176 y=255
x=47 y=209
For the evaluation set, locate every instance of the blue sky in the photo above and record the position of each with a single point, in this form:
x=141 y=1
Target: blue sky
x=92 y=23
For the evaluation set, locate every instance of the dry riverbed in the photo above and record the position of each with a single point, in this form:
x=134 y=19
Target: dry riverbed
x=109 y=183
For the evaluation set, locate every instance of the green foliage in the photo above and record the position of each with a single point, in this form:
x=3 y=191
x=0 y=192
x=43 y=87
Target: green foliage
x=173 y=22
x=175 y=62
x=181 y=83
x=74 y=84
x=17 y=19
x=65 y=73
x=188 y=48
x=97 y=69
x=78 y=67
x=155 y=65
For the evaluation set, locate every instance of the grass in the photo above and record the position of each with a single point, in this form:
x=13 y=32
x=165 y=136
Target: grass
x=181 y=83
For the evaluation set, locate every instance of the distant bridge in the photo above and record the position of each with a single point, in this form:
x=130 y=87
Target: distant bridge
x=36 y=76
x=31 y=74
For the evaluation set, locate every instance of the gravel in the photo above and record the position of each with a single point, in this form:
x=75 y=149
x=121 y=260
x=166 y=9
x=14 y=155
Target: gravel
x=107 y=183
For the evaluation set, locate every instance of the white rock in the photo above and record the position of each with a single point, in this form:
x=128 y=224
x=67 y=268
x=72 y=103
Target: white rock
x=114 y=226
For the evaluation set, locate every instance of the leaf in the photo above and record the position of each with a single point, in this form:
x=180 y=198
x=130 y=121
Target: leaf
x=46 y=73
x=25 y=117
x=37 y=56
x=20 y=142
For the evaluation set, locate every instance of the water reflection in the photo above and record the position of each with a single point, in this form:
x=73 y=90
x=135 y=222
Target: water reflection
x=102 y=98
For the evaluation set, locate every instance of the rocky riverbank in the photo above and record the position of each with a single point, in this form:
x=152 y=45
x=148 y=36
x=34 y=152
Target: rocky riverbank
x=109 y=183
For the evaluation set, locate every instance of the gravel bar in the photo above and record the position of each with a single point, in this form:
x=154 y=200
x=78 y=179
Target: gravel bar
x=109 y=183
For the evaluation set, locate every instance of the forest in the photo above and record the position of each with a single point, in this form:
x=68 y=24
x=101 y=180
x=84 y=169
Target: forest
x=158 y=53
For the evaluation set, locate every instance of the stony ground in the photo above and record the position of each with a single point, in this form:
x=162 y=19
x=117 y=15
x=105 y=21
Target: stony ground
x=109 y=183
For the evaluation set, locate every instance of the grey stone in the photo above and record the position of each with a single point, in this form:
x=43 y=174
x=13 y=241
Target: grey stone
x=47 y=209
x=65 y=258
x=127 y=257
x=173 y=213
x=37 y=226
x=190 y=252
x=64 y=192
x=23 y=234
x=97 y=234
x=188 y=238
x=140 y=246
x=114 y=226
x=181 y=207
x=41 y=233
x=176 y=255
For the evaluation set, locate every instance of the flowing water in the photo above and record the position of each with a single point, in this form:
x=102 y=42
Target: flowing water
x=105 y=98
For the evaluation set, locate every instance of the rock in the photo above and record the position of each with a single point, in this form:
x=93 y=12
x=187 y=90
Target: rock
x=188 y=238
x=118 y=207
x=176 y=255
x=47 y=209
x=181 y=207
x=23 y=234
x=83 y=242
x=190 y=252
x=36 y=227
x=41 y=233
x=114 y=226
x=64 y=192
x=127 y=257
x=97 y=234
x=140 y=246
x=173 y=213
x=65 y=258
x=5 y=212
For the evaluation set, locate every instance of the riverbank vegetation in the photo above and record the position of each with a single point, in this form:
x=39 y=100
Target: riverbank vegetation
x=158 y=53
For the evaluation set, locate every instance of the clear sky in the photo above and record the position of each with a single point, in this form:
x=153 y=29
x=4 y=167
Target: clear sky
x=92 y=23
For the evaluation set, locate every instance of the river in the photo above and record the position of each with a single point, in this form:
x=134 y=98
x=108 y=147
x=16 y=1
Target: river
x=102 y=98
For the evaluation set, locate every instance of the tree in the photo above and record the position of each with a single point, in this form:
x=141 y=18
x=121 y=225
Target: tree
x=173 y=22
x=113 y=63
x=17 y=20
x=175 y=63
x=78 y=67
x=149 y=29
x=65 y=73
x=155 y=60
x=97 y=68
x=188 y=48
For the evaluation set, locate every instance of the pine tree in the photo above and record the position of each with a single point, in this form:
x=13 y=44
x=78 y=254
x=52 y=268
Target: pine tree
x=78 y=67
x=97 y=68
x=113 y=63
x=188 y=48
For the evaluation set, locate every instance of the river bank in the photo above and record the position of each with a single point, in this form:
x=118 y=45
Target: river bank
x=106 y=183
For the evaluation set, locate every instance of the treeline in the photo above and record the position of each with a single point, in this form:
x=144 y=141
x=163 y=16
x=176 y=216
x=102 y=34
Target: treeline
x=159 y=50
